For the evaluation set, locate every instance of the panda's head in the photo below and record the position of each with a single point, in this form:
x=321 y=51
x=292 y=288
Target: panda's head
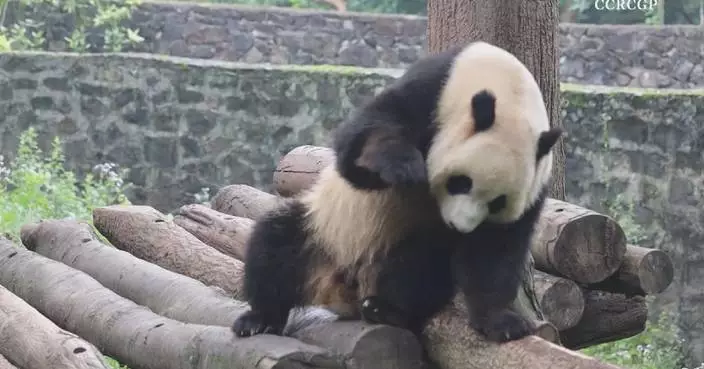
x=491 y=157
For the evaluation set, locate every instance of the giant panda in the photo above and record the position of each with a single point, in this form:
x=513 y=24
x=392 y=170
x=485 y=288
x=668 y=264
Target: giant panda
x=437 y=185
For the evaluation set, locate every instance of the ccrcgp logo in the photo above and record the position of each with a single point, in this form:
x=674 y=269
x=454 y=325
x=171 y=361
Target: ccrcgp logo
x=625 y=4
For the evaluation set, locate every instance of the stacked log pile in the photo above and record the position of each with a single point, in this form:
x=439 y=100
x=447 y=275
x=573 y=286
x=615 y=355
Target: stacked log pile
x=157 y=293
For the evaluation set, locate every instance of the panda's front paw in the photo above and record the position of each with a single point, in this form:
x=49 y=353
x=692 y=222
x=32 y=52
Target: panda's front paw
x=252 y=323
x=503 y=326
x=403 y=168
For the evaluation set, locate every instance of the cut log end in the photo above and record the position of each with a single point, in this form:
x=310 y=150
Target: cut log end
x=655 y=270
x=561 y=300
x=644 y=271
x=578 y=243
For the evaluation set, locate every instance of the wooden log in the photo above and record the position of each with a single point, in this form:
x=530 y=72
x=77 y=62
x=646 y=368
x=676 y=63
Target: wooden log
x=147 y=234
x=577 y=243
x=133 y=334
x=242 y=199
x=643 y=271
x=260 y=203
x=225 y=233
x=561 y=300
x=175 y=296
x=571 y=241
x=453 y=346
x=298 y=169
x=5 y=364
x=607 y=317
x=31 y=340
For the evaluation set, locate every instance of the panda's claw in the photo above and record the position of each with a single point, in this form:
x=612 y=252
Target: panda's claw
x=376 y=311
x=504 y=326
x=252 y=323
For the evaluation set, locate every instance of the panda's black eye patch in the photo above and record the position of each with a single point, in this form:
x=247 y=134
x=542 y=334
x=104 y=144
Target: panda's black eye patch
x=497 y=204
x=457 y=185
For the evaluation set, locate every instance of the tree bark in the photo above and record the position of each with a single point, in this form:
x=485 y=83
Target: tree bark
x=561 y=300
x=182 y=298
x=528 y=29
x=570 y=241
x=607 y=317
x=225 y=233
x=643 y=271
x=133 y=334
x=31 y=340
x=146 y=233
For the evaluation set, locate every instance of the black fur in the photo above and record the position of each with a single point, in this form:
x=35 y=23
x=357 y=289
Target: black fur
x=547 y=140
x=483 y=110
x=275 y=266
x=488 y=267
x=391 y=133
x=415 y=282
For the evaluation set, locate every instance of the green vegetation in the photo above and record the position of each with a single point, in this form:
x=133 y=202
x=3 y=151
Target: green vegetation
x=36 y=186
x=27 y=33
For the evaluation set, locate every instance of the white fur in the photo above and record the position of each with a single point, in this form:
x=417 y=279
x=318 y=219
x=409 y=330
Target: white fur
x=352 y=224
x=500 y=160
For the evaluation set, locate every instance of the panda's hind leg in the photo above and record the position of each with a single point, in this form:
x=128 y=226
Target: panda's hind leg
x=275 y=271
x=415 y=282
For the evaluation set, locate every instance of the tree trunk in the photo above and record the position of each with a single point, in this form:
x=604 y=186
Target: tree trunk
x=528 y=29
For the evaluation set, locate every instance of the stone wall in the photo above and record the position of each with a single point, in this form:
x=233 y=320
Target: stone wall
x=636 y=56
x=183 y=124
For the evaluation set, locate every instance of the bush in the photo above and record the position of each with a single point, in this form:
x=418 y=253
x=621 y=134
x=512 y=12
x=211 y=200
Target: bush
x=36 y=186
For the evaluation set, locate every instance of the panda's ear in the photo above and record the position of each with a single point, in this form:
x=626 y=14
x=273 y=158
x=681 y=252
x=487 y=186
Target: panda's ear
x=547 y=140
x=483 y=110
